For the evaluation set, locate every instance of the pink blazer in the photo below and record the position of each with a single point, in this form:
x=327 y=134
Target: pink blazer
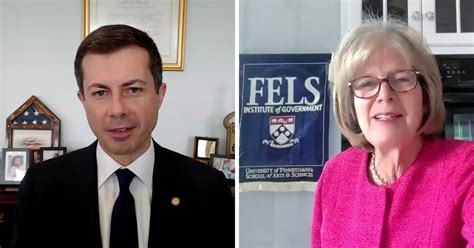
x=431 y=205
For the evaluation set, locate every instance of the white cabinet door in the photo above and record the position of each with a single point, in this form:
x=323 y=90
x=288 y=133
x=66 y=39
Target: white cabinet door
x=448 y=23
x=415 y=15
x=354 y=11
x=351 y=15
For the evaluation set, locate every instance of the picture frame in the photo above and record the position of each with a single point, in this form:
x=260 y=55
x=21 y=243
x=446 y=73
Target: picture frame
x=204 y=147
x=15 y=163
x=33 y=125
x=34 y=157
x=46 y=153
x=163 y=20
x=224 y=163
x=31 y=138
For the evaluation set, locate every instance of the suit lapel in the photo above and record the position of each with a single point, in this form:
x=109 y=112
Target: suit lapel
x=87 y=171
x=166 y=215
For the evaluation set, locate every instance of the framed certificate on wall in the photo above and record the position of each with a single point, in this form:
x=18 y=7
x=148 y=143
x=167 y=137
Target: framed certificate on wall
x=162 y=20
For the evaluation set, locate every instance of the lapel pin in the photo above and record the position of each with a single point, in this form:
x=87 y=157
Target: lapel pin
x=175 y=201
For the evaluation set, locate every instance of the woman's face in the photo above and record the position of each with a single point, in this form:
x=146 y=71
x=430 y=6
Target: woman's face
x=389 y=118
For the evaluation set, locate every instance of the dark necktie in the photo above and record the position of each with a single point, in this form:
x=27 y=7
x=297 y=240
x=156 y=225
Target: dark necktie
x=123 y=228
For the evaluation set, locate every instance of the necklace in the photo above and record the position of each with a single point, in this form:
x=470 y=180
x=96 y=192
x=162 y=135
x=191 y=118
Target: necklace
x=381 y=179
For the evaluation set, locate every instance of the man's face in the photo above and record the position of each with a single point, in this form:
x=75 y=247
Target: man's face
x=120 y=101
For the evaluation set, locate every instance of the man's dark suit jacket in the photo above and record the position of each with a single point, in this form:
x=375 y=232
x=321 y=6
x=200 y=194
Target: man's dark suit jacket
x=57 y=204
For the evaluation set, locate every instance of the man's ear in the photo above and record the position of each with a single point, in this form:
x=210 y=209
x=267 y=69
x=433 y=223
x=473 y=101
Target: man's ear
x=80 y=95
x=162 y=93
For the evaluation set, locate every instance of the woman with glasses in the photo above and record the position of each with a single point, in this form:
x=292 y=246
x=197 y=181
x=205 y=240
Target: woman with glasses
x=399 y=185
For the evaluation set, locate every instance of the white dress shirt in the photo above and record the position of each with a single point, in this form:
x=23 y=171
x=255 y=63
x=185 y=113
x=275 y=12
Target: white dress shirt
x=141 y=188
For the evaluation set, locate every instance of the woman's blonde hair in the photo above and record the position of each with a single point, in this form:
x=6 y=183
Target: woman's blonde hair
x=355 y=50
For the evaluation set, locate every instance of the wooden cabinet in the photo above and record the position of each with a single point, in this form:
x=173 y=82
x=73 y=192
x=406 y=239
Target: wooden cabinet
x=447 y=25
x=7 y=211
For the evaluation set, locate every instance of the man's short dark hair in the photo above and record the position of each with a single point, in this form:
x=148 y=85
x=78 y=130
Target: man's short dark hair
x=111 y=38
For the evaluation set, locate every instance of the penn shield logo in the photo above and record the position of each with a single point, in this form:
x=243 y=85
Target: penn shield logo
x=281 y=130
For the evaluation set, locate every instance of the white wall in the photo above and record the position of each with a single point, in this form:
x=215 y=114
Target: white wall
x=38 y=42
x=282 y=219
x=198 y=99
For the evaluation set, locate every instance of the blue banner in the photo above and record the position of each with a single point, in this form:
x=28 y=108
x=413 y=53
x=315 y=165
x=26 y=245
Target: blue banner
x=284 y=117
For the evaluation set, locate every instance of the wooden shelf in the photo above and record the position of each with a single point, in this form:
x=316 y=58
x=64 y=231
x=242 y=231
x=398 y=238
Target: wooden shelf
x=8 y=195
x=7 y=209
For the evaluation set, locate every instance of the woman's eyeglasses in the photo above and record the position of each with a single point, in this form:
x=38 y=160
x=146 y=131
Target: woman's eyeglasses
x=402 y=81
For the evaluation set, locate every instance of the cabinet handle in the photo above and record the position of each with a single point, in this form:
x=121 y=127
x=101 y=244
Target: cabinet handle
x=430 y=15
x=416 y=15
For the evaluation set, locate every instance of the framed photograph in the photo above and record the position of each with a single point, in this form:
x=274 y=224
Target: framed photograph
x=226 y=164
x=163 y=20
x=33 y=125
x=34 y=157
x=204 y=147
x=32 y=138
x=15 y=162
x=46 y=153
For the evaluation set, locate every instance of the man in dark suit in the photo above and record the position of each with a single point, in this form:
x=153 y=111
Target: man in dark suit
x=124 y=190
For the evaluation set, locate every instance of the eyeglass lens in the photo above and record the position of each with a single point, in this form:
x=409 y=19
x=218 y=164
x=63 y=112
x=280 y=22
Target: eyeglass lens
x=370 y=86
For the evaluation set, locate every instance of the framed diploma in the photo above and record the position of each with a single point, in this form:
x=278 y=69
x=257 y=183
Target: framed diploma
x=162 y=20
